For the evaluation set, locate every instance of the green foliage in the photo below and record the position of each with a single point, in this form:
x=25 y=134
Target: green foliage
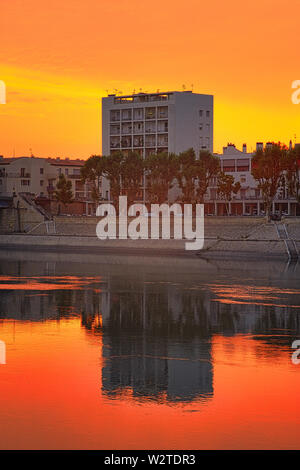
x=63 y=192
x=91 y=172
x=293 y=173
x=268 y=168
x=207 y=167
x=161 y=170
x=226 y=188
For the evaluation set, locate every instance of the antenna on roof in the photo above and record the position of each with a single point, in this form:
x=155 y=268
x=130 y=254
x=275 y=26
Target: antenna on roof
x=183 y=87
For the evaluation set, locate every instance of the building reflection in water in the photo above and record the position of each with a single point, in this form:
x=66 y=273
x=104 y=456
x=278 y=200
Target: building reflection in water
x=156 y=333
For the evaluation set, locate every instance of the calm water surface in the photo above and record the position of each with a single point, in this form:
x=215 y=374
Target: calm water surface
x=126 y=353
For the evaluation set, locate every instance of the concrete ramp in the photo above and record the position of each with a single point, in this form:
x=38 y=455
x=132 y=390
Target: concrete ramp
x=290 y=244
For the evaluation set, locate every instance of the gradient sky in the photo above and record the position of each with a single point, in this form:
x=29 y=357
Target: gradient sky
x=59 y=59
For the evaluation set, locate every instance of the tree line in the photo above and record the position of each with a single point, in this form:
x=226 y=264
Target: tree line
x=274 y=167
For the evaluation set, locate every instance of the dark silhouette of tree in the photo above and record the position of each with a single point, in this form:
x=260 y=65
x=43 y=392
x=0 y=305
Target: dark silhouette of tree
x=187 y=175
x=268 y=167
x=132 y=171
x=113 y=171
x=226 y=188
x=161 y=170
x=293 y=173
x=63 y=192
x=92 y=172
x=207 y=167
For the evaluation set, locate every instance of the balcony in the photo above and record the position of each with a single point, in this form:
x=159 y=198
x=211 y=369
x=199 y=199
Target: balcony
x=138 y=141
x=126 y=115
x=138 y=114
x=18 y=175
x=126 y=142
x=115 y=116
x=162 y=112
x=162 y=126
x=126 y=129
x=150 y=141
x=114 y=130
x=150 y=127
x=150 y=113
x=138 y=127
x=162 y=141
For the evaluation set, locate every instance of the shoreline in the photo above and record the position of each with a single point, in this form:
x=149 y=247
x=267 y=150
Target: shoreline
x=214 y=247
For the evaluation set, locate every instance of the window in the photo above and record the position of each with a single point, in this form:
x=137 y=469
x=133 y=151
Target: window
x=243 y=164
x=25 y=182
x=66 y=171
x=200 y=112
x=42 y=183
x=228 y=165
x=207 y=114
x=200 y=127
x=41 y=171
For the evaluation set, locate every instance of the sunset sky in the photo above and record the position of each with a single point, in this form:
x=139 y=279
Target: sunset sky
x=59 y=58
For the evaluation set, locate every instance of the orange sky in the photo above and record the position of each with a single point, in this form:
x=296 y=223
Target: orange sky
x=58 y=60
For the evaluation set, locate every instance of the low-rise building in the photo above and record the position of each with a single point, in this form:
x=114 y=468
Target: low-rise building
x=39 y=176
x=248 y=200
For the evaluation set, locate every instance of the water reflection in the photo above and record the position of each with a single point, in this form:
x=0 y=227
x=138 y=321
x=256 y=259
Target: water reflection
x=156 y=329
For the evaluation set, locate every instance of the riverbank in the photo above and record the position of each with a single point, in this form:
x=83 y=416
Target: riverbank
x=225 y=237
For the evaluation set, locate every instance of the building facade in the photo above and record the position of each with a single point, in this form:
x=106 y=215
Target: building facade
x=157 y=122
x=248 y=201
x=39 y=176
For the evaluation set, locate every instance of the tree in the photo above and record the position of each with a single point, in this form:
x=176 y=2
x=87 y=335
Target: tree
x=92 y=172
x=187 y=175
x=268 y=167
x=132 y=171
x=207 y=167
x=293 y=173
x=226 y=188
x=161 y=170
x=63 y=192
x=113 y=171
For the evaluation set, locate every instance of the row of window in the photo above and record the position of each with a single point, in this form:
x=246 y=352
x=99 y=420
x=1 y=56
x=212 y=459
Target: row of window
x=139 y=141
x=138 y=114
x=75 y=172
x=203 y=113
x=139 y=127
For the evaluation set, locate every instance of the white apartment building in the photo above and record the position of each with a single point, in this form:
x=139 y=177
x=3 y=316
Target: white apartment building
x=157 y=122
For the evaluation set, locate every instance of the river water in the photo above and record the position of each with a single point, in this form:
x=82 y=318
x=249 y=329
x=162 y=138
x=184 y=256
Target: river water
x=119 y=352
